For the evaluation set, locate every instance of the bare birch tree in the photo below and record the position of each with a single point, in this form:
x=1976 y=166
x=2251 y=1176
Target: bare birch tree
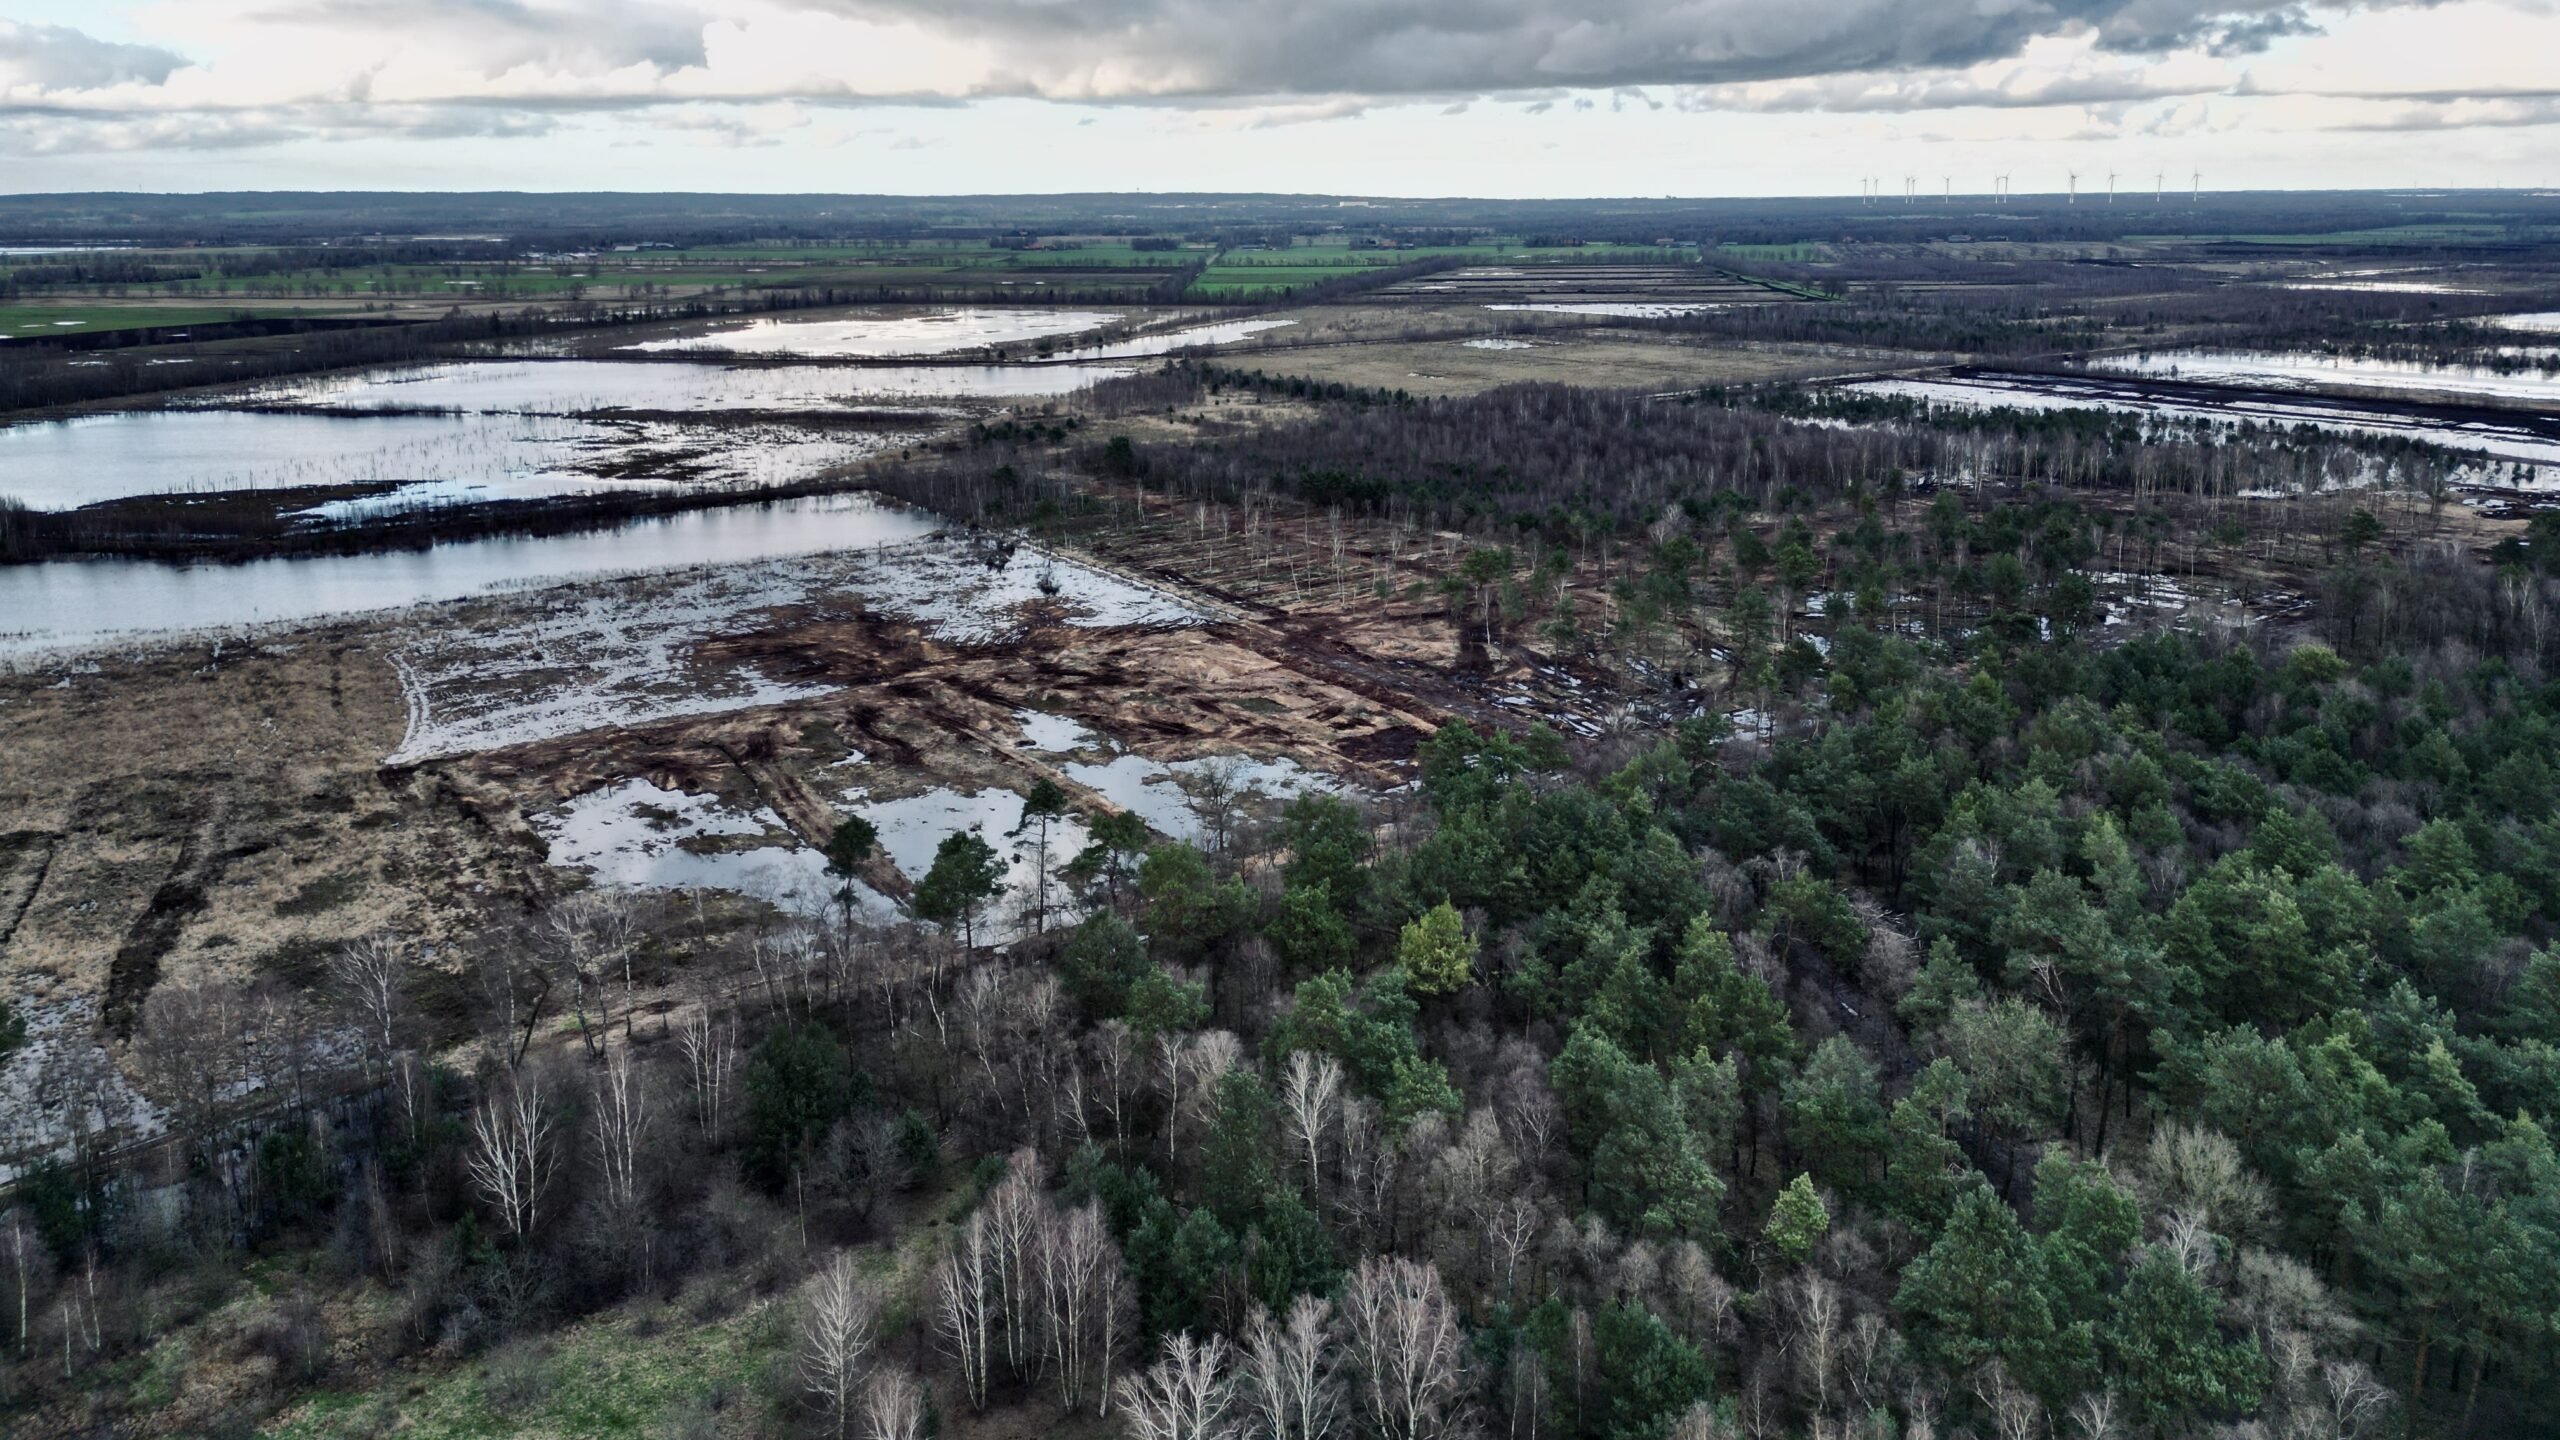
x=839 y=1322
x=710 y=1046
x=1013 y=1213
x=619 y=1120
x=1200 y=1062
x=892 y=1407
x=370 y=978
x=25 y=1259
x=1084 y=1303
x=1186 y=1395
x=1116 y=1062
x=1820 y=1329
x=1405 y=1350
x=1310 y=1103
x=1513 y=1231
x=965 y=1298
x=513 y=1155
x=1290 y=1388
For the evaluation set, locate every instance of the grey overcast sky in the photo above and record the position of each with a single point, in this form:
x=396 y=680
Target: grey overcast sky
x=1386 y=97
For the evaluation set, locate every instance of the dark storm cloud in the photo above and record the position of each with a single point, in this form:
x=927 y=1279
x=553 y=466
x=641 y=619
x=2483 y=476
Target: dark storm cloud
x=1098 y=49
x=57 y=57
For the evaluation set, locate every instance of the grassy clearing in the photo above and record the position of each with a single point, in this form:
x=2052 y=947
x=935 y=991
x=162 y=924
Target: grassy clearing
x=616 y=1375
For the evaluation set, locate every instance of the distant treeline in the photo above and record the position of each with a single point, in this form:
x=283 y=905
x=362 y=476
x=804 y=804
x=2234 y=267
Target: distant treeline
x=566 y=221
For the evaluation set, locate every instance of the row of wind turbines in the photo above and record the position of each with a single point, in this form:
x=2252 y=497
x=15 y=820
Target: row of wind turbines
x=1871 y=188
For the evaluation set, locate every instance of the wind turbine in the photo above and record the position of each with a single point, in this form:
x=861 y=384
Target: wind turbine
x=2197 y=180
x=2159 y=180
x=2074 y=197
x=2111 y=187
x=1949 y=182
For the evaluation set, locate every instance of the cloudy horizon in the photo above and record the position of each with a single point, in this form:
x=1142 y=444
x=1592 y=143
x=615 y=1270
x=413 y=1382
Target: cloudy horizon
x=1505 y=98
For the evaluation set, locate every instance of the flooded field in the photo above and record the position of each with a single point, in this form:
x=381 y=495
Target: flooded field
x=633 y=653
x=2520 y=442
x=588 y=387
x=509 y=430
x=885 y=336
x=2382 y=287
x=66 y=604
x=639 y=834
x=2290 y=370
x=431 y=458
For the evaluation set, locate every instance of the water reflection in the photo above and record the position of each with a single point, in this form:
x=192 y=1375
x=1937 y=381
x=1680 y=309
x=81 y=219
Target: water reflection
x=72 y=603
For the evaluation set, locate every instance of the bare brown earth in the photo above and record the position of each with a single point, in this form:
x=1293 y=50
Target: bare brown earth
x=184 y=813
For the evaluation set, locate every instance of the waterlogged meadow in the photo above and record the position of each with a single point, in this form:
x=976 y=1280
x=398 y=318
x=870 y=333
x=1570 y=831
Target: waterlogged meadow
x=2537 y=377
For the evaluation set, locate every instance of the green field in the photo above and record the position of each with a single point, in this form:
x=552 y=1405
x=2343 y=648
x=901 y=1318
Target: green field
x=1279 y=271
x=23 y=322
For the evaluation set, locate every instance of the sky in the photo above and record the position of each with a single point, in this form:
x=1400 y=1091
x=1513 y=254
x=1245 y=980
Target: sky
x=1511 y=98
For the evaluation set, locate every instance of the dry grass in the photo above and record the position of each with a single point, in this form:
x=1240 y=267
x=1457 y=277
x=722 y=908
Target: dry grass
x=1600 y=358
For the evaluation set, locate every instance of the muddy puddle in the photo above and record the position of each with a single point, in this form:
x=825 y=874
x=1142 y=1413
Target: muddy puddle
x=639 y=836
x=1182 y=799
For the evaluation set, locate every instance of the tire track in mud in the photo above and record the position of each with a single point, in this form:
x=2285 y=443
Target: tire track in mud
x=133 y=973
x=16 y=845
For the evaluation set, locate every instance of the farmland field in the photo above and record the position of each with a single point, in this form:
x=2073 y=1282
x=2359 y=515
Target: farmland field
x=30 y=321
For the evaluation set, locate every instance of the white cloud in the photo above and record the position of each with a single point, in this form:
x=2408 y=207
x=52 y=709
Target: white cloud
x=238 y=75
